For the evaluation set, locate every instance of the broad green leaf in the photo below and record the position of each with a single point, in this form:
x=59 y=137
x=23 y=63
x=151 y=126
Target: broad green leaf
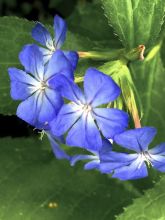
x=151 y=206
x=148 y=78
x=34 y=185
x=135 y=21
x=14 y=34
x=89 y=21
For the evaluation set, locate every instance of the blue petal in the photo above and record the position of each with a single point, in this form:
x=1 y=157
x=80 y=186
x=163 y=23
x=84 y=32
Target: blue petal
x=54 y=98
x=85 y=134
x=47 y=54
x=99 y=88
x=114 y=160
x=58 y=152
x=41 y=34
x=73 y=57
x=118 y=157
x=108 y=167
x=136 y=139
x=35 y=109
x=133 y=171
x=68 y=89
x=160 y=149
x=28 y=109
x=60 y=29
x=158 y=162
x=32 y=59
x=76 y=158
x=110 y=121
x=58 y=64
x=49 y=104
x=22 y=84
x=95 y=164
x=67 y=116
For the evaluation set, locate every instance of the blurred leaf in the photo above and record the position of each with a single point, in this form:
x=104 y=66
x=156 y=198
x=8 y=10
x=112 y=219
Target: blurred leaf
x=151 y=206
x=34 y=185
x=135 y=21
x=89 y=21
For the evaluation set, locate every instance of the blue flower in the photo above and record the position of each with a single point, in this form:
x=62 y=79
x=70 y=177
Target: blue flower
x=41 y=102
x=42 y=35
x=133 y=166
x=94 y=158
x=83 y=117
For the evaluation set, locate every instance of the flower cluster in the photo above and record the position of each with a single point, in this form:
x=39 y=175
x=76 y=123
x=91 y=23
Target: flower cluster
x=78 y=116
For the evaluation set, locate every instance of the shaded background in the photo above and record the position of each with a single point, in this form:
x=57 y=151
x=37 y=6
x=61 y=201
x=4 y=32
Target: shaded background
x=35 y=10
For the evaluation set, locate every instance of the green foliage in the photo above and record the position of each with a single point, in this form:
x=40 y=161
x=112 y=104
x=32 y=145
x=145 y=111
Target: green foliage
x=148 y=77
x=135 y=21
x=88 y=20
x=36 y=186
x=151 y=206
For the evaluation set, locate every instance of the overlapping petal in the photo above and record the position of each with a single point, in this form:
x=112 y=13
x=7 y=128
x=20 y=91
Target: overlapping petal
x=60 y=29
x=32 y=60
x=22 y=84
x=76 y=158
x=47 y=54
x=67 y=116
x=84 y=133
x=58 y=64
x=58 y=152
x=132 y=171
x=114 y=160
x=99 y=88
x=42 y=35
x=28 y=109
x=73 y=57
x=46 y=110
x=110 y=121
x=68 y=89
x=136 y=139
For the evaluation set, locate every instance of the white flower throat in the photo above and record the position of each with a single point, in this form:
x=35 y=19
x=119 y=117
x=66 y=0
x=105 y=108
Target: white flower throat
x=144 y=156
x=87 y=108
x=41 y=86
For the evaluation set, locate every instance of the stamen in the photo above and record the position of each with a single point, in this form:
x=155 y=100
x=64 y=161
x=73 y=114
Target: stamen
x=87 y=108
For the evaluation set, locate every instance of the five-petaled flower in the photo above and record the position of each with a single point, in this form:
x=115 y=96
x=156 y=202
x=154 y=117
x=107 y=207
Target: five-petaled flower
x=84 y=117
x=133 y=166
x=50 y=45
x=40 y=103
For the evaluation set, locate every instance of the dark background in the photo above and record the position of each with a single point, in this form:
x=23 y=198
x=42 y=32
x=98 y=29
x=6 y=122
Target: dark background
x=37 y=11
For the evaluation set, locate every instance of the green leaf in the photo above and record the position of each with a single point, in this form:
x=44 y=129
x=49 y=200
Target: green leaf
x=148 y=78
x=89 y=21
x=135 y=21
x=151 y=206
x=34 y=185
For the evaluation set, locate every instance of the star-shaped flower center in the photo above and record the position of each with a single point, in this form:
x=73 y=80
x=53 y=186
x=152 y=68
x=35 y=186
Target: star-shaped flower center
x=42 y=86
x=87 y=108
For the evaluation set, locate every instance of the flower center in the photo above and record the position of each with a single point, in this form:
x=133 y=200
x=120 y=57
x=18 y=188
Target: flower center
x=42 y=86
x=145 y=157
x=87 y=108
